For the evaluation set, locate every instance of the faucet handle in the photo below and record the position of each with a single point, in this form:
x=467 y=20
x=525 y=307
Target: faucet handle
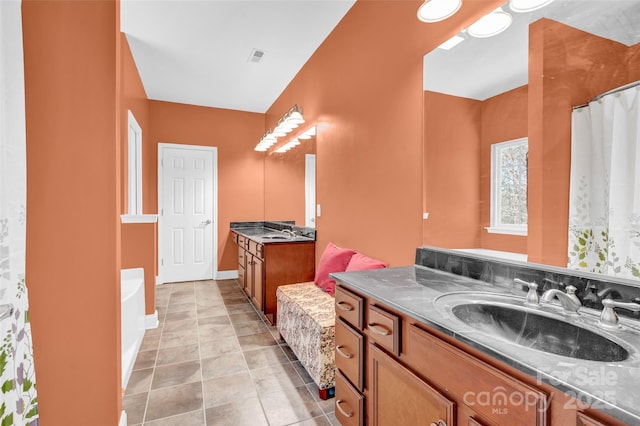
x=609 y=318
x=532 y=298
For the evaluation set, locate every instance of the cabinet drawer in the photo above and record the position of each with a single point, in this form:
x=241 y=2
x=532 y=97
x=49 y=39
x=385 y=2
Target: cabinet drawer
x=384 y=328
x=349 y=307
x=488 y=391
x=350 y=353
x=349 y=403
x=242 y=254
x=242 y=241
x=586 y=420
x=255 y=249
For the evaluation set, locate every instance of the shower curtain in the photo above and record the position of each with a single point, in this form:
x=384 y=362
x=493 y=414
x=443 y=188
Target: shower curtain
x=18 y=402
x=604 y=207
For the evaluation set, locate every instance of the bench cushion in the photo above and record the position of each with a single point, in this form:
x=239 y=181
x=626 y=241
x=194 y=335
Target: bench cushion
x=306 y=321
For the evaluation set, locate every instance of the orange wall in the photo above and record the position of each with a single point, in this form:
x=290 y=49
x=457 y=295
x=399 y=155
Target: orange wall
x=363 y=87
x=567 y=67
x=452 y=169
x=458 y=134
x=139 y=250
x=240 y=168
x=72 y=92
x=504 y=118
x=284 y=183
x=134 y=98
x=139 y=240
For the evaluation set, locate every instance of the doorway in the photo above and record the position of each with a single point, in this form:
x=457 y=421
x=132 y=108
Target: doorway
x=310 y=190
x=187 y=212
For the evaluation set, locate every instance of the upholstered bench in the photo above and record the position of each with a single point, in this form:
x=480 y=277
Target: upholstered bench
x=306 y=321
x=306 y=314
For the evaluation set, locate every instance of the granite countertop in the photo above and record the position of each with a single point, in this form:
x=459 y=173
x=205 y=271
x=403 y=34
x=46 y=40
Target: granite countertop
x=611 y=387
x=260 y=232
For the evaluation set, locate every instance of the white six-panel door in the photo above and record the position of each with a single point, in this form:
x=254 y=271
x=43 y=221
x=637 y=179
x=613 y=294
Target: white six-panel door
x=186 y=212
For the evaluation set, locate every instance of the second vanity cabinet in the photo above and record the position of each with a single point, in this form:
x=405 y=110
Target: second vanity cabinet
x=262 y=267
x=394 y=370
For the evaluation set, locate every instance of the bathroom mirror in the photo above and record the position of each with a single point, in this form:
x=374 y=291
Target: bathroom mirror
x=520 y=83
x=289 y=184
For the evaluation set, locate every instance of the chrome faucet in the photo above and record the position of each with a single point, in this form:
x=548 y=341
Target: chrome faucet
x=289 y=233
x=532 y=298
x=568 y=300
x=608 y=317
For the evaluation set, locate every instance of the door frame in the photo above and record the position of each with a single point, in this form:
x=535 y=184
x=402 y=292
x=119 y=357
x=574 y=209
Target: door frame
x=310 y=190
x=214 y=228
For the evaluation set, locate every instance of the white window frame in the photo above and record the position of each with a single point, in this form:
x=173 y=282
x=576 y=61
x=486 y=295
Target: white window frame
x=497 y=227
x=134 y=166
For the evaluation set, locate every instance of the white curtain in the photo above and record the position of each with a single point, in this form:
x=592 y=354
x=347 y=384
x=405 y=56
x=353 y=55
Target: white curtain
x=604 y=207
x=18 y=403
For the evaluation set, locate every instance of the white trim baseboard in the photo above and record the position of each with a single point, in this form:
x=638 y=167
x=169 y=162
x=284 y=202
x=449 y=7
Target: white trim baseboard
x=227 y=275
x=151 y=321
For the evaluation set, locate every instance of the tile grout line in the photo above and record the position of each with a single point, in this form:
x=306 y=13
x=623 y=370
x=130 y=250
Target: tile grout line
x=264 y=412
x=155 y=363
x=204 y=410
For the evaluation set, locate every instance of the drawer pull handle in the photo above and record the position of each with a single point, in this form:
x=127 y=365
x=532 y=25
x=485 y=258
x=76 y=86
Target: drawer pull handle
x=377 y=329
x=344 y=306
x=342 y=354
x=344 y=413
x=440 y=423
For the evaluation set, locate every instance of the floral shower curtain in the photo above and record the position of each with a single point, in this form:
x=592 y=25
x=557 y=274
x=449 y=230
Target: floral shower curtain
x=604 y=207
x=18 y=405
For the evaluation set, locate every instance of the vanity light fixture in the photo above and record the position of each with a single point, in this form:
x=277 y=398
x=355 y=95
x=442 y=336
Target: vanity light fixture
x=308 y=134
x=286 y=147
x=289 y=121
x=489 y=25
x=523 y=6
x=452 y=42
x=438 y=10
x=266 y=141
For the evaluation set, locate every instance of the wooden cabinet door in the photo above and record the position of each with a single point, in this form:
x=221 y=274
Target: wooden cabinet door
x=399 y=397
x=258 y=288
x=248 y=273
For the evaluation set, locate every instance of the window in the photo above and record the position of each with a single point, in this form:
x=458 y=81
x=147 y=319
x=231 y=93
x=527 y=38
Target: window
x=509 y=187
x=134 y=181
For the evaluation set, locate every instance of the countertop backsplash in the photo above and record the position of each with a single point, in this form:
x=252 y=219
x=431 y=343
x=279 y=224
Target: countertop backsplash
x=591 y=288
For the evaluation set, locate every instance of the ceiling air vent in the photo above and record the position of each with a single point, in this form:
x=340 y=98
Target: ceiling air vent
x=256 y=55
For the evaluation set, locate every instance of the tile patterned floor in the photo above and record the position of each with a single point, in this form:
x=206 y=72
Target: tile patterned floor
x=213 y=360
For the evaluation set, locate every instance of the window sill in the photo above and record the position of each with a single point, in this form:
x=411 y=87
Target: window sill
x=506 y=231
x=139 y=218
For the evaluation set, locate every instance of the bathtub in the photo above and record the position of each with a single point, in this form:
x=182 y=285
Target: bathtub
x=132 y=318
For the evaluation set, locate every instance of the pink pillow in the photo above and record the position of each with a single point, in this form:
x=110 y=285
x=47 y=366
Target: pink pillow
x=360 y=262
x=333 y=259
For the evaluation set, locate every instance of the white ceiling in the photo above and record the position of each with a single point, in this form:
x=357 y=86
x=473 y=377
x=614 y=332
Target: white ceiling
x=482 y=68
x=198 y=51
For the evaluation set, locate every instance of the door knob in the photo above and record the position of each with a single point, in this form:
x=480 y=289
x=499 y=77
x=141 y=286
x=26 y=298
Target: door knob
x=205 y=222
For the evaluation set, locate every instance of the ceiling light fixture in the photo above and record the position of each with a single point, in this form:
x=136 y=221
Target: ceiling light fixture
x=489 y=25
x=289 y=121
x=438 y=10
x=523 y=6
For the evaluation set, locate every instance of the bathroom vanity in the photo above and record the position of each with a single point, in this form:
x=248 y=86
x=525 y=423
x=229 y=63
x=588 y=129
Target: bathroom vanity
x=271 y=254
x=428 y=345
